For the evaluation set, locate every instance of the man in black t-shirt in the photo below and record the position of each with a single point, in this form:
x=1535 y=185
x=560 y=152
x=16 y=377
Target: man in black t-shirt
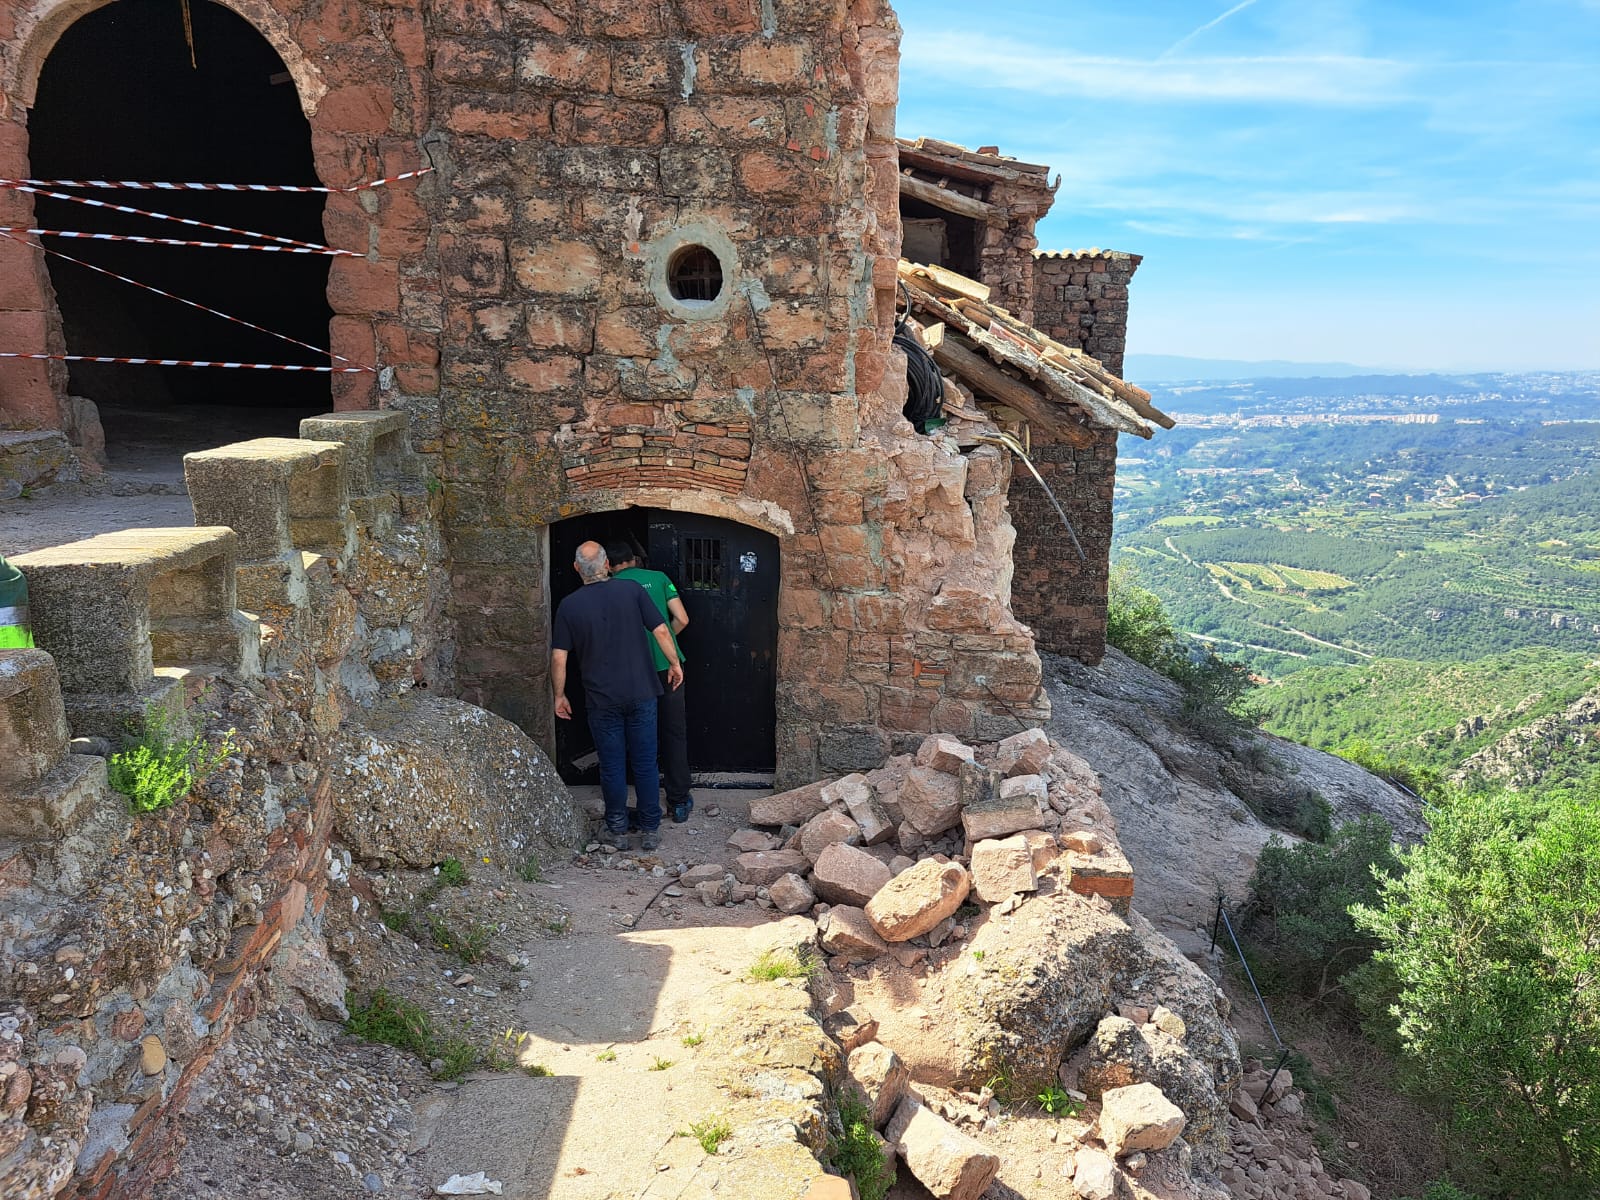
x=595 y=626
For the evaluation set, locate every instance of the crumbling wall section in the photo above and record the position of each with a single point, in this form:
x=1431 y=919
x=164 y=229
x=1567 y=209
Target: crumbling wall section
x=1081 y=300
x=1060 y=595
x=131 y=945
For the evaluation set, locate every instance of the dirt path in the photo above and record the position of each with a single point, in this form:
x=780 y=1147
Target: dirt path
x=606 y=1007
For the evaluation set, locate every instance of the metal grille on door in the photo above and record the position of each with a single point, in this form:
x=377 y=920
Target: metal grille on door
x=702 y=564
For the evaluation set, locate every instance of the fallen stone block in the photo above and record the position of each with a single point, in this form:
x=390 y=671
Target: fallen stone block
x=1000 y=817
x=824 y=830
x=1035 y=787
x=918 y=899
x=880 y=1077
x=931 y=801
x=705 y=873
x=714 y=893
x=1024 y=753
x=1243 y=1107
x=1354 y=1191
x=943 y=754
x=876 y=827
x=830 y=1187
x=1082 y=841
x=845 y=931
x=763 y=867
x=851 y=1029
x=748 y=841
x=1139 y=1117
x=841 y=792
x=949 y=1163
x=1106 y=874
x=1095 y=1177
x=1042 y=846
x=847 y=875
x=794 y=807
x=791 y=894
x=1002 y=867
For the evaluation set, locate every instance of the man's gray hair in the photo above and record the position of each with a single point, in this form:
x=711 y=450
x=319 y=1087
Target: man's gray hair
x=594 y=565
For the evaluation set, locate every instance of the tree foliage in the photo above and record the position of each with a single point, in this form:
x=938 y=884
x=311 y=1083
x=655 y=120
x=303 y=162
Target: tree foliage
x=1300 y=901
x=1492 y=931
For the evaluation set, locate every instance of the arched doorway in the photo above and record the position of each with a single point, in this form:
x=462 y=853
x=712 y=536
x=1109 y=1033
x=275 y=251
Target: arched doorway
x=728 y=576
x=129 y=93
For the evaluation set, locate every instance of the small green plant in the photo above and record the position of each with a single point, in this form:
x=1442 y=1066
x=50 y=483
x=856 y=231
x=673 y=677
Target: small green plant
x=529 y=871
x=692 y=1040
x=399 y=921
x=977 y=955
x=398 y=1022
x=606 y=1055
x=538 y=1071
x=784 y=964
x=710 y=1132
x=856 y=1151
x=660 y=1064
x=470 y=945
x=435 y=485
x=453 y=873
x=1055 y=1101
x=157 y=769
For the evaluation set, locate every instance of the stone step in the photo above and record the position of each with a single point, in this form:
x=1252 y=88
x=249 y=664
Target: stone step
x=33 y=720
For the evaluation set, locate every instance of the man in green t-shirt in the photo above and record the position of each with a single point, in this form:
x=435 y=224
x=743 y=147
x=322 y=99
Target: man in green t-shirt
x=15 y=632
x=672 y=717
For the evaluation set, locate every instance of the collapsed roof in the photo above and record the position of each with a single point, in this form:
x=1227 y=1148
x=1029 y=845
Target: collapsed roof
x=1001 y=359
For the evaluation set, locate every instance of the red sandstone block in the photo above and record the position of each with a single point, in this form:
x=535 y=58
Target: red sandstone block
x=544 y=375
x=575 y=66
x=415 y=381
x=474 y=266
x=356 y=285
x=728 y=120
x=559 y=268
x=504 y=118
x=403 y=344
x=620 y=18
x=609 y=122
x=771 y=61
x=483 y=16
x=358 y=108
x=22 y=275
x=717 y=18
x=644 y=69
x=480 y=63
x=777 y=175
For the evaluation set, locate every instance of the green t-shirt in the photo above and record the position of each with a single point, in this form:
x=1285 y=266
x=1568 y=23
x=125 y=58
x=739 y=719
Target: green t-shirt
x=661 y=590
x=14 y=631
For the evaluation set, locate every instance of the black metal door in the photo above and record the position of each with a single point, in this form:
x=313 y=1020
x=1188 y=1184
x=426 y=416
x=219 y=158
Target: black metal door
x=727 y=574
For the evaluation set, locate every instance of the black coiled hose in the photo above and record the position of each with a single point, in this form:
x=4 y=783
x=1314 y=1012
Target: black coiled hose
x=924 y=383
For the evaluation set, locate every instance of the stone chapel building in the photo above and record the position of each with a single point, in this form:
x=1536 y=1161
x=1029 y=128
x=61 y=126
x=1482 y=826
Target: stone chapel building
x=646 y=288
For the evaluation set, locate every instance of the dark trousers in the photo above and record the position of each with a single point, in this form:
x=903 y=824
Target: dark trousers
x=672 y=739
x=625 y=738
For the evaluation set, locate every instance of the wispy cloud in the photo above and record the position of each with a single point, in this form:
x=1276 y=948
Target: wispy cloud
x=1206 y=28
x=989 y=62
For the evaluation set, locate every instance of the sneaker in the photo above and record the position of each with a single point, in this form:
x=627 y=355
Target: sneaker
x=649 y=840
x=680 y=812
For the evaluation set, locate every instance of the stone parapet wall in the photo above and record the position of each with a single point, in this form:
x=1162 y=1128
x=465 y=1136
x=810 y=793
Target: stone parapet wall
x=1063 y=597
x=1081 y=300
x=131 y=945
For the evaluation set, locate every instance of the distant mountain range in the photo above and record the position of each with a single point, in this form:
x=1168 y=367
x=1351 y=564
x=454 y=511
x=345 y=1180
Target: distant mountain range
x=1169 y=368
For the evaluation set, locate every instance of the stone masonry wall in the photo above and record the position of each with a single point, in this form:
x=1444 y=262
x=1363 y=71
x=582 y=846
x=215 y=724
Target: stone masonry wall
x=130 y=946
x=1005 y=260
x=1081 y=300
x=1060 y=596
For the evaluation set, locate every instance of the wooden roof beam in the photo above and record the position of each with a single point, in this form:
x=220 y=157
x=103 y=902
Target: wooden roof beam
x=955 y=202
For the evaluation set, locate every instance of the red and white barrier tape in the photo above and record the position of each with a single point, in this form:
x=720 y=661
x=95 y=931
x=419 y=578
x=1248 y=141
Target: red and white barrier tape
x=191 y=303
x=161 y=216
x=161 y=241
x=31 y=184
x=182 y=362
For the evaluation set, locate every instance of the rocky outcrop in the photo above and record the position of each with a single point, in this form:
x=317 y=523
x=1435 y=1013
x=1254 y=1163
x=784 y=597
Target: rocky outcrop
x=420 y=779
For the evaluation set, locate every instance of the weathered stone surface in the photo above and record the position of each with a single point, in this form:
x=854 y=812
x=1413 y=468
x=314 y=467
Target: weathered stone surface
x=1138 y=1117
x=841 y=792
x=1024 y=753
x=918 y=899
x=949 y=1163
x=855 y=795
x=1082 y=841
x=944 y=754
x=1002 y=867
x=845 y=931
x=931 y=801
x=1043 y=847
x=704 y=873
x=420 y=779
x=824 y=830
x=846 y=875
x=152 y=1055
x=880 y=1077
x=794 y=807
x=1035 y=787
x=1105 y=873
x=791 y=894
x=763 y=867
x=978 y=785
x=1168 y=1021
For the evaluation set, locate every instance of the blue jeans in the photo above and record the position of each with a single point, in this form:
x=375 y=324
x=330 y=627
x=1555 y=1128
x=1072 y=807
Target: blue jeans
x=626 y=736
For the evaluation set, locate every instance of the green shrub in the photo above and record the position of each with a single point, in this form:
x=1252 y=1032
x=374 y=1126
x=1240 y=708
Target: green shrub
x=710 y=1132
x=398 y=1022
x=158 y=770
x=1136 y=622
x=783 y=964
x=453 y=873
x=856 y=1152
x=1298 y=918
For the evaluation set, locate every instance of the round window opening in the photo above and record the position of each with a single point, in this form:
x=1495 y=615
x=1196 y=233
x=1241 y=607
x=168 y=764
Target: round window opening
x=694 y=276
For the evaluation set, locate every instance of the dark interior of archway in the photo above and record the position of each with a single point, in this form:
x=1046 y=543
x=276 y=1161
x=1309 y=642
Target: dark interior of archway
x=119 y=99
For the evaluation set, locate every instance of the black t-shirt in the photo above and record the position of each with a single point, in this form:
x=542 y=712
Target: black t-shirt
x=596 y=625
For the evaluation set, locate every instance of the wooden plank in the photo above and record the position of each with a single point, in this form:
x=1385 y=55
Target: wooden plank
x=950 y=201
x=982 y=375
x=933 y=335
x=958 y=285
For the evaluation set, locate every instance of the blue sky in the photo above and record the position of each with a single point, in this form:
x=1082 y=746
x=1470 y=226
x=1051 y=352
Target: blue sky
x=1397 y=183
